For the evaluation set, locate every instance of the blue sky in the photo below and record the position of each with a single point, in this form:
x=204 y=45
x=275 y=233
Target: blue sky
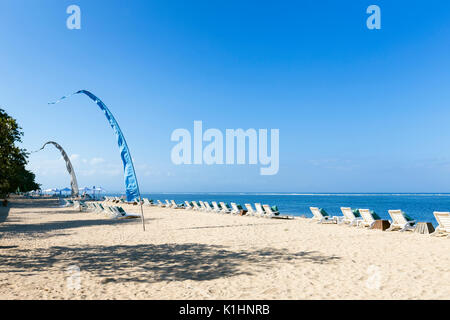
x=358 y=110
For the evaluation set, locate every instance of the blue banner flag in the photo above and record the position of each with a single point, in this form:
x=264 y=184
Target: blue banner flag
x=131 y=183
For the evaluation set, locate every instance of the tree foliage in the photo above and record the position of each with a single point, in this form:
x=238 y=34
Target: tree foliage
x=13 y=174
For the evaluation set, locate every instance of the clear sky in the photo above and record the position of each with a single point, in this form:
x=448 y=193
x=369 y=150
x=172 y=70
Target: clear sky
x=358 y=110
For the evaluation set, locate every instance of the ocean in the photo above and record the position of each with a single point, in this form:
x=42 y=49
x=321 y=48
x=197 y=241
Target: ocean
x=418 y=206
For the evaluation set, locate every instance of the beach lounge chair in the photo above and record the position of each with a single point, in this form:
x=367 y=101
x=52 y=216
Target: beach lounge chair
x=66 y=203
x=274 y=213
x=91 y=206
x=188 y=206
x=94 y=207
x=135 y=202
x=80 y=205
x=216 y=207
x=114 y=211
x=351 y=217
x=443 y=219
x=160 y=204
x=175 y=205
x=100 y=207
x=196 y=206
x=122 y=214
x=208 y=206
x=167 y=204
x=202 y=206
x=259 y=210
x=147 y=202
x=401 y=221
x=369 y=217
x=270 y=212
x=321 y=216
x=110 y=211
x=235 y=208
x=225 y=208
x=250 y=211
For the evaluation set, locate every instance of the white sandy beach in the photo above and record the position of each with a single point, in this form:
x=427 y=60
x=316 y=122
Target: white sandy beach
x=195 y=255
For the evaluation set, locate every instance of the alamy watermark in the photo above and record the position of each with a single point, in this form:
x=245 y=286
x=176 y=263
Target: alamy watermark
x=74 y=20
x=374 y=277
x=73 y=280
x=233 y=150
x=374 y=20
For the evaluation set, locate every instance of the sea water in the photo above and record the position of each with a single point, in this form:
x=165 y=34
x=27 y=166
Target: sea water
x=418 y=206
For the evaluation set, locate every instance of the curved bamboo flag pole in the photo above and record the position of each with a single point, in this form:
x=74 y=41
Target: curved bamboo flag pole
x=131 y=183
x=73 y=182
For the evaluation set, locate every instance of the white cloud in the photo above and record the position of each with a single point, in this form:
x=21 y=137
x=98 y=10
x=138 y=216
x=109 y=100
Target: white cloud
x=96 y=161
x=74 y=157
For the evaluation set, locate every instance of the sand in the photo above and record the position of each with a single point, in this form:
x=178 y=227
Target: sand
x=195 y=255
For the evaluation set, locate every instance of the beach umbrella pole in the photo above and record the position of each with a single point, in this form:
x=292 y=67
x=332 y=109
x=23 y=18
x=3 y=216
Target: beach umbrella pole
x=142 y=213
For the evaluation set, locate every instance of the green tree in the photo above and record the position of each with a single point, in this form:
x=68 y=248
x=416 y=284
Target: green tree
x=13 y=174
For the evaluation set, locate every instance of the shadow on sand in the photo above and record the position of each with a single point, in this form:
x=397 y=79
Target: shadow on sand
x=43 y=228
x=154 y=263
x=4 y=211
x=17 y=225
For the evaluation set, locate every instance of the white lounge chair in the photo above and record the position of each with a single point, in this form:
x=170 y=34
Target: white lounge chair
x=443 y=219
x=224 y=207
x=79 y=205
x=196 y=206
x=92 y=206
x=202 y=206
x=321 y=216
x=369 y=218
x=101 y=208
x=109 y=211
x=400 y=221
x=269 y=212
x=67 y=203
x=174 y=205
x=349 y=217
x=147 y=202
x=250 y=211
x=274 y=213
x=168 y=204
x=208 y=206
x=216 y=207
x=160 y=204
x=122 y=214
x=234 y=208
x=188 y=206
x=259 y=210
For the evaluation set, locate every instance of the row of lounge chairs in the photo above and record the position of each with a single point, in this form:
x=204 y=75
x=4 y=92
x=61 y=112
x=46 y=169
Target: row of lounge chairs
x=366 y=218
x=264 y=211
x=114 y=199
x=97 y=207
x=351 y=217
